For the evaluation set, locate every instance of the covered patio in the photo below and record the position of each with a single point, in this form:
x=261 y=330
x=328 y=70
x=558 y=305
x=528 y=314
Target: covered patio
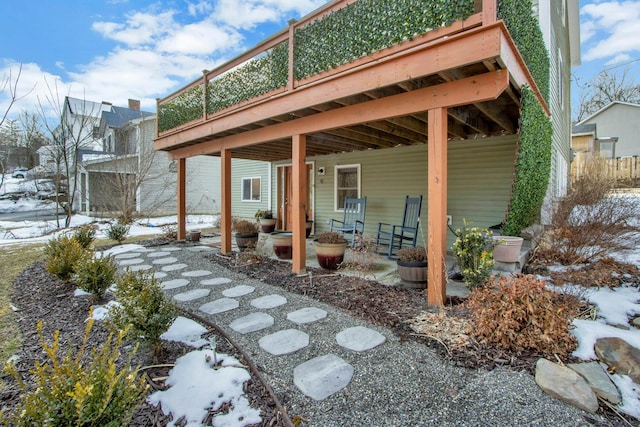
x=459 y=81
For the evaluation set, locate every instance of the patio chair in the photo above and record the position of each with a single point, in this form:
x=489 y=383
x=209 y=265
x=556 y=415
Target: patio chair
x=352 y=220
x=405 y=234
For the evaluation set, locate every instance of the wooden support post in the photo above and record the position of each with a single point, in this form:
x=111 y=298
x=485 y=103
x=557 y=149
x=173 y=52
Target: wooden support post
x=300 y=188
x=182 y=199
x=225 y=192
x=489 y=12
x=437 y=202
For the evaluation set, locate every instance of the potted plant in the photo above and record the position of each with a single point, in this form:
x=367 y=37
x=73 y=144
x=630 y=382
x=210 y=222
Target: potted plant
x=246 y=234
x=473 y=252
x=267 y=221
x=412 y=266
x=507 y=248
x=329 y=247
x=282 y=244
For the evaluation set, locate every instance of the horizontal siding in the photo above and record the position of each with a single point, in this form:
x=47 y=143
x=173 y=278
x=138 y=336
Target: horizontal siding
x=248 y=169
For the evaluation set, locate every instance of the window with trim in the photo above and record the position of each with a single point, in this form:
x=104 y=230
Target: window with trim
x=560 y=80
x=347 y=184
x=251 y=188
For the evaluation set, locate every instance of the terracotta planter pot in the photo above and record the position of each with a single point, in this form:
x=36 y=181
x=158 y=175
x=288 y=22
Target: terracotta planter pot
x=195 y=235
x=329 y=255
x=507 y=248
x=268 y=225
x=413 y=274
x=282 y=245
x=245 y=242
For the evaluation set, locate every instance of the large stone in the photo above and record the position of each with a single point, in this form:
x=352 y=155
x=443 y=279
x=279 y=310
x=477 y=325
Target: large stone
x=620 y=356
x=565 y=384
x=322 y=376
x=598 y=379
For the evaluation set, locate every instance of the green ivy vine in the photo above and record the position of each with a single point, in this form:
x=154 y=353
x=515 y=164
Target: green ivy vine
x=525 y=31
x=180 y=110
x=533 y=166
x=258 y=76
x=367 y=26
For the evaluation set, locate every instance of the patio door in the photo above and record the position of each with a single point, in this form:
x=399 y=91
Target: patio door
x=285 y=195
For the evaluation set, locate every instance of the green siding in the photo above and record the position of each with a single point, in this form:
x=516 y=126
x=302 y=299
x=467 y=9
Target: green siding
x=248 y=169
x=480 y=177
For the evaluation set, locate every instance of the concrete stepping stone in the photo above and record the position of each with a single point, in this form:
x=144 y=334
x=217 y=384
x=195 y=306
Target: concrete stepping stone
x=174 y=284
x=165 y=260
x=360 y=338
x=238 y=291
x=174 y=267
x=200 y=248
x=196 y=273
x=322 y=376
x=268 y=301
x=158 y=254
x=170 y=249
x=219 y=306
x=215 y=281
x=132 y=261
x=191 y=295
x=159 y=275
x=307 y=315
x=140 y=267
x=251 y=323
x=284 y=342
x=128 y=255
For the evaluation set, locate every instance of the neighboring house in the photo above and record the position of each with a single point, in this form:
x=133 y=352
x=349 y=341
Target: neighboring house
x=436 y=115
x=620 y=120
x=611 y=133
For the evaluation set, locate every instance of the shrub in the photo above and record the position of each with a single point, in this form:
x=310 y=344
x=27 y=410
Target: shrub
x=71 y=392
x=246 y=228
x=85 y=235
x=62 y=254
x=330 y=237
x=170 y=232
x=264 y=214
x=118 y=231
x=473 y=252
x=143 y=306
x=411 y=254
x=522 y=314
x=590 y=221
x=95 y=275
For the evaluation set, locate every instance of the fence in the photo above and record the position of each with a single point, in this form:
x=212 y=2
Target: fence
x=624 y=170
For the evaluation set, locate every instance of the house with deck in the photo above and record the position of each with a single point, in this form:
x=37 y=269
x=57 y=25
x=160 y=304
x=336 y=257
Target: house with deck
x=464 y=103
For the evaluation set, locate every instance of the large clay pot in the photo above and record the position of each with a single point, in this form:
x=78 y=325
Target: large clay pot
x=246 y=241
x=282 y=244
x=329 y=255
x=507 y=248
x=413 y=274
x=195 y=235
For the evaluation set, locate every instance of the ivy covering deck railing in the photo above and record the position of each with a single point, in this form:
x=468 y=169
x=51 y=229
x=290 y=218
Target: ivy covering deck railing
x=329 y=39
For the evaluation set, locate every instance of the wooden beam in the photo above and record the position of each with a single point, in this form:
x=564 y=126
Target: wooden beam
x=182 y=199
x=437 y=202
x=298 y=209
x=225 y=192
x=460 y=92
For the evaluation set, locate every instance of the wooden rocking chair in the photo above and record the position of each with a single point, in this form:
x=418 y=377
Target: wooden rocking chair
x=406 y=234
x=352 y=220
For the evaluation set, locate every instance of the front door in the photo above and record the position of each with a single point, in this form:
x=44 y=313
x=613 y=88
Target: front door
x=285 y=195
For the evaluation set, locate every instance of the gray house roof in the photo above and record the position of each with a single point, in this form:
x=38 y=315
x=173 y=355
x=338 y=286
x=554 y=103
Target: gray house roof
x=120 y=116
x=586 y=128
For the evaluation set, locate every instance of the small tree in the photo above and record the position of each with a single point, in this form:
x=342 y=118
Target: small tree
x=605 y=88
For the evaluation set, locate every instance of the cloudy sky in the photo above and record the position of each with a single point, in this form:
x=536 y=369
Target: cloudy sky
x=118 y=49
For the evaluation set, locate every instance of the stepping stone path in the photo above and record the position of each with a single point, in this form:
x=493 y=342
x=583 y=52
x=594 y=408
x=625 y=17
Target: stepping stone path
x=317 y=378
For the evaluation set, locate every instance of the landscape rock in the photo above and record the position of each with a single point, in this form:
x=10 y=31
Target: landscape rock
x=599 y=380
x=636 y=322
x=620 y=356
x=565 y=384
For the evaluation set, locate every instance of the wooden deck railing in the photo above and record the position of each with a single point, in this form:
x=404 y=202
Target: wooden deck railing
x=281 y=63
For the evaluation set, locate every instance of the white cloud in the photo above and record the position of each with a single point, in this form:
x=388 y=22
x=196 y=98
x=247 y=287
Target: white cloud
x=614 y=25
x=247 y=14
x=139 y=28
x=618 y=59
x=200 y=8
x=202 y=38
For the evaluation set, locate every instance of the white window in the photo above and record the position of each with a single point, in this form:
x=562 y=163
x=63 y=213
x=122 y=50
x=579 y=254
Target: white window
x=560 y=80
x=251 y=188
x=347 y=184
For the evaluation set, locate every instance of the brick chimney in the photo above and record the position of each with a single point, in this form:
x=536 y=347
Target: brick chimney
x=134 y=104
